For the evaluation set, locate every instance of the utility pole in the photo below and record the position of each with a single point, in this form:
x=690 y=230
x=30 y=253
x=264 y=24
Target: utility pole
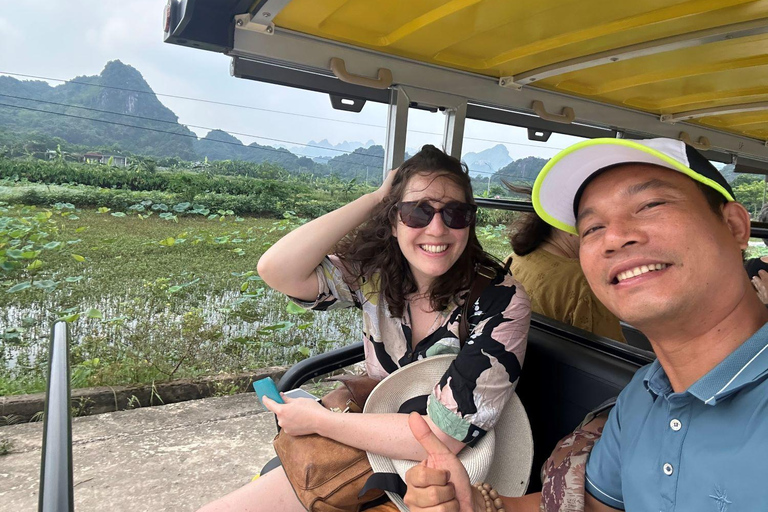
x=490 y=175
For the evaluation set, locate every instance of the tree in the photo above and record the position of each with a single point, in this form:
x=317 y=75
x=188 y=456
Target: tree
x=751 y=195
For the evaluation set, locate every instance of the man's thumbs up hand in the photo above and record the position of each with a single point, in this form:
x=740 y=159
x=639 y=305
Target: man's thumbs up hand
x=439 y=482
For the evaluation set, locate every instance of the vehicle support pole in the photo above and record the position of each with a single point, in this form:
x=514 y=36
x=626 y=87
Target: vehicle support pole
x=453 y=134
x=397 y=127
x=56 y=486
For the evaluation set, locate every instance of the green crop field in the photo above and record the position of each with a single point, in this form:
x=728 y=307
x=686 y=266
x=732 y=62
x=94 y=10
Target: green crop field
x=152 y=294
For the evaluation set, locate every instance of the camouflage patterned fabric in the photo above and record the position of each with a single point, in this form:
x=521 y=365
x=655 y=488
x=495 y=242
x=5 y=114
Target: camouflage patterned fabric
x=564 y=471
x=467 y=401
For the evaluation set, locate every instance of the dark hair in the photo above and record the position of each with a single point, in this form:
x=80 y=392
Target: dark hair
x=372 y=248
x=715 y=199
x=528 y=230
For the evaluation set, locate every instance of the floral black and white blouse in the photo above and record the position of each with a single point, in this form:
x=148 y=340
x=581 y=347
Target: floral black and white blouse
x=467 y=401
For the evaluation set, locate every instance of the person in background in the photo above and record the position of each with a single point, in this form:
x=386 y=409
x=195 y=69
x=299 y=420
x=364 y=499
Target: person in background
x=546 y=262
x=757 y=268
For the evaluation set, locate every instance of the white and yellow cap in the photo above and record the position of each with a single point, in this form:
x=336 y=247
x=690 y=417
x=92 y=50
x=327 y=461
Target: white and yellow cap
x=559 y=185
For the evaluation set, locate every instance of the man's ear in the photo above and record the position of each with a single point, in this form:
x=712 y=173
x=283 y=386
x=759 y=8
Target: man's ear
x=737 y=219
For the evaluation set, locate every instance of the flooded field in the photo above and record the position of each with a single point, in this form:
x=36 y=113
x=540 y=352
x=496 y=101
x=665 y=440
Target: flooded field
x=151 y=299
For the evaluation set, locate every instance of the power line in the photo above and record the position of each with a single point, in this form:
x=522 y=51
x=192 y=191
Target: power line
x=308 y=116
x=201 y=100
x=265 y=148
x=515 y=143
x=175 y=123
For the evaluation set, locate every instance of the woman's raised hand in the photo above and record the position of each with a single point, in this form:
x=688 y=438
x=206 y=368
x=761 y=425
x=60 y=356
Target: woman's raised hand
x=386 y=187
x=289 y=265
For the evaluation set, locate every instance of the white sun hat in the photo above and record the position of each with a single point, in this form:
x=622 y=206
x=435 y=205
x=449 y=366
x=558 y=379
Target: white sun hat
x=559 y=185
x=502 y=457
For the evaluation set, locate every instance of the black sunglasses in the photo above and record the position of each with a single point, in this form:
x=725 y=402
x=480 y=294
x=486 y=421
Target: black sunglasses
x=455 y=215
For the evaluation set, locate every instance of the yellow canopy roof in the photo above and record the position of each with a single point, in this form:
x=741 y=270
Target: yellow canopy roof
x=703 y=61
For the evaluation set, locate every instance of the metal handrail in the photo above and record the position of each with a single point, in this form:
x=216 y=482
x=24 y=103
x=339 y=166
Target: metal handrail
x=56 y=484
x=321 y=364
x=504 y=204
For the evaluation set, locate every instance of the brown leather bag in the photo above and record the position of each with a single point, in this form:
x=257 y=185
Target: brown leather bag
x=327 y=476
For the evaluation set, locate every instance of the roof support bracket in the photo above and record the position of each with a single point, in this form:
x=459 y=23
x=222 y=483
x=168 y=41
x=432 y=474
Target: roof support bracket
x=702 y=145
x=261 y=19
x=539 y=135
x=249 y=22
x=510 y=83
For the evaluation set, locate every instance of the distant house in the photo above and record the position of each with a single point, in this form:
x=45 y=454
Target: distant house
x=98 y=158
x=52 y=154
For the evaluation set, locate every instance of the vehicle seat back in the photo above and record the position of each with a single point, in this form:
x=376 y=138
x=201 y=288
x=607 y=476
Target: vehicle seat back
x=566 y=374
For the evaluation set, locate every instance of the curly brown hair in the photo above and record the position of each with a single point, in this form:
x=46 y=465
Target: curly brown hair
x=373 y=249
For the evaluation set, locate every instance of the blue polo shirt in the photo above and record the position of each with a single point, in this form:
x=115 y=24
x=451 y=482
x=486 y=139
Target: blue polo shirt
x=705 y=449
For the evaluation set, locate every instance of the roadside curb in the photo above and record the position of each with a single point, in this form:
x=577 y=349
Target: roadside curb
x=88 y=401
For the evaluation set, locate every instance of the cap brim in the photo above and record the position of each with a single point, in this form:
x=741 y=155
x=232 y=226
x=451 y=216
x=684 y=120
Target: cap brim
x=556 y=186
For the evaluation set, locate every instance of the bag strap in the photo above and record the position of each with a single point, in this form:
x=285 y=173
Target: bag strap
x=483 y=277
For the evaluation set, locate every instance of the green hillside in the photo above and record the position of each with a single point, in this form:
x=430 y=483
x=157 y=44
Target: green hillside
x=34 y=107
x=220 y=145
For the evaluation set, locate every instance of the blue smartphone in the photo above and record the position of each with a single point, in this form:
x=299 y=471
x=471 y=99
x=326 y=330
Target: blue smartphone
x=266 y=387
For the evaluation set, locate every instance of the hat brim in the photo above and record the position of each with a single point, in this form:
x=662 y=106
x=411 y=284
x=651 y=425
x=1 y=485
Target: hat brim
x=556 y=186
x=503 y=457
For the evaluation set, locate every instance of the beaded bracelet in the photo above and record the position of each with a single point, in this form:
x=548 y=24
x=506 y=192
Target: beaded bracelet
x=493 y=502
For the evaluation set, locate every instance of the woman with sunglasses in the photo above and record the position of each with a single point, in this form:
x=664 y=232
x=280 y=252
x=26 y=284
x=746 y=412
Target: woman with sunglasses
x=406 y=255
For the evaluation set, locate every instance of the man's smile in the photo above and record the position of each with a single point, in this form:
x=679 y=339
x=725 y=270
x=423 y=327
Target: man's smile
x=635 y=269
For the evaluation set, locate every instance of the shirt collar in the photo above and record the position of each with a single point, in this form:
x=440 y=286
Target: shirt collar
x=656 y=381
x=746 y=364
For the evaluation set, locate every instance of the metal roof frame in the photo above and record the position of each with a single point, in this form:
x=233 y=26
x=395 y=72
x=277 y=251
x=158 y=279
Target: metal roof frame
x=309 y=53
x=691 y=39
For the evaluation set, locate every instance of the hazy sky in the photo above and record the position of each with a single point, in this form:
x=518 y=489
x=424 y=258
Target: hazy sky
x=68 y=38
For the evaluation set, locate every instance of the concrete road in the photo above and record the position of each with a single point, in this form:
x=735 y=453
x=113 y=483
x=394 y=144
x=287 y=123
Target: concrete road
x=172 y=457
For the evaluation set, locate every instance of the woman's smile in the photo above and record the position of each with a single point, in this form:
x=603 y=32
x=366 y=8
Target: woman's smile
x=432 y=250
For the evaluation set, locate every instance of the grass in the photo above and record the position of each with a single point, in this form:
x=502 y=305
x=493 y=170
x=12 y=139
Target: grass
x=155 y=299
x=756 y=249
x=159 y=311
x=5 y=446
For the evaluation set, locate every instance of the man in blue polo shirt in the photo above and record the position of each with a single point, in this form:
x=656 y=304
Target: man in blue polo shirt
x=661 y=239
